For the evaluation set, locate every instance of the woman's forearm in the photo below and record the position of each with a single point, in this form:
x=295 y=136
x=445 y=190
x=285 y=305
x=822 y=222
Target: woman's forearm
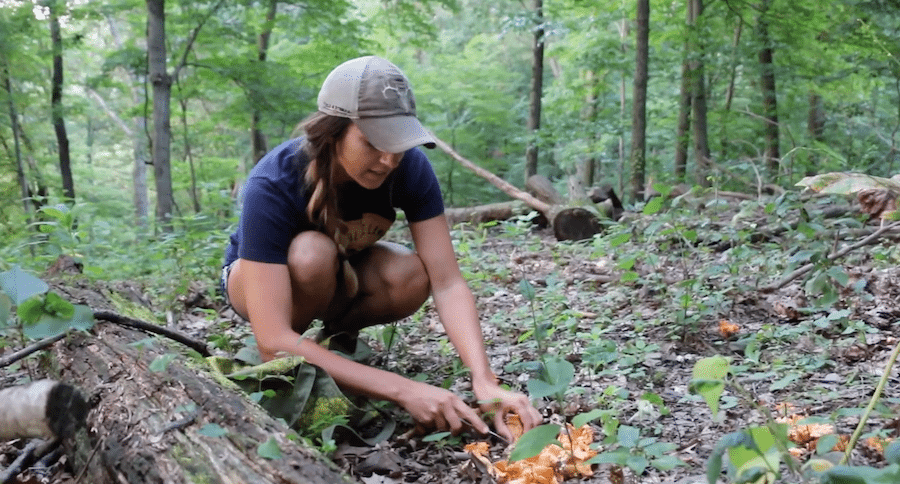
x=455 y=305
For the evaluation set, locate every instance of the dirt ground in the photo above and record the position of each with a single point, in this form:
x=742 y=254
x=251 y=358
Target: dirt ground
x=621 y=338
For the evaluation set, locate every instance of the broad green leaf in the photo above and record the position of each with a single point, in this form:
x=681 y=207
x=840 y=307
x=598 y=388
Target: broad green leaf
x=269 y=449
x=709 y=380
x=667 y=463
x=435 y=436
x=582 y=418
x=30 y=311
x=212 y=430
x=531 y=443
x=20 y=285
x=637 y=463
x=82 y=318
x=628 y=436
x=54 y=305
x=653 y=206
x=161 y=362
x=714 y=463
x=618 y=456
x=892 y=452
x=526 y=289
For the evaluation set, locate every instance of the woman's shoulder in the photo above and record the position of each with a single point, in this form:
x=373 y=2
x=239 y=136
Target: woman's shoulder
x=282 y=164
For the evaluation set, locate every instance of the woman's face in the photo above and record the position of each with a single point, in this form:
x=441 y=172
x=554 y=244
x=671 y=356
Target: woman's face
x=362 y=162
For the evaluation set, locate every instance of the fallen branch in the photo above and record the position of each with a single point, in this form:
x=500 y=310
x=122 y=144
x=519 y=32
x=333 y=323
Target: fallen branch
x=837 y=255
x=32 y=348
x=114 y=318
x=127 y=322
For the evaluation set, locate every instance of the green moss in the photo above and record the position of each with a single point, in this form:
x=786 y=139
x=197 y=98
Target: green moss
x=129 y=308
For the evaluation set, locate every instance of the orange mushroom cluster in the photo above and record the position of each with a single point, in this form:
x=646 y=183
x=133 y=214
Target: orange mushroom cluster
x=552 y=466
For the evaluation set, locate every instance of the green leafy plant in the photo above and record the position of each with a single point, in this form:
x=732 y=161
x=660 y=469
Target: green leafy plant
x=40 y=313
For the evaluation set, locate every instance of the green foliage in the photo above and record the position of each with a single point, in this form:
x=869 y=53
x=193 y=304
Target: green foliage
x=637 y=453
x=40 y=313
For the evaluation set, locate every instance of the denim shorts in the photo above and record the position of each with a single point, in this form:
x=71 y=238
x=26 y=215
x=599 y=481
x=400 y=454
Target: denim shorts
x=226 y=271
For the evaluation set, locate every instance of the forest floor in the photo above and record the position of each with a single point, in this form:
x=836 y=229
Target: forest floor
x=633 y=310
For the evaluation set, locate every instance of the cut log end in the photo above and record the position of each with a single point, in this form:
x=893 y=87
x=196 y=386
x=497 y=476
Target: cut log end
x=575 y=223
x=44 y=408
x=66 y=410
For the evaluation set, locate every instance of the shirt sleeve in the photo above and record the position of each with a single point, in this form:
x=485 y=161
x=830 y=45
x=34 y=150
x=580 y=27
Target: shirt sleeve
x=269 y=220
x=417 y=191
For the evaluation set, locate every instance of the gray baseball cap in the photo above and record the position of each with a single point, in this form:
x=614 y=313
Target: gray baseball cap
x=376 y=95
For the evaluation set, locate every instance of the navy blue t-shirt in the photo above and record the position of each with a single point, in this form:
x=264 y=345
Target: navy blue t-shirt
x=275 y=198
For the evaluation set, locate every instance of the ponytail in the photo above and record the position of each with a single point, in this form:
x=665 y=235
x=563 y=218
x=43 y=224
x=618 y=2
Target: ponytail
x=322 y=134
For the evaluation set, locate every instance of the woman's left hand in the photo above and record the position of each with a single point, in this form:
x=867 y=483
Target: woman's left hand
x=495 y=400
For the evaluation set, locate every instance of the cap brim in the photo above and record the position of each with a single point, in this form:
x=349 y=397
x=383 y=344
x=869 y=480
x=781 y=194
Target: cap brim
x=395 y=134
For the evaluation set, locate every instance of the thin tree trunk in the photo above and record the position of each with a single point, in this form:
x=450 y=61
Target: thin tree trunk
x=639 y=101
x=59 y=123
x=682 y=133
x=257 y=138
x=698 y=102
x=729 y=93
x=162 y=130
x=139 y=138
x=195 y=198
x=585 y=168
x=623 y=103
x=772 y=153
x=537 y=89
x=16 y=130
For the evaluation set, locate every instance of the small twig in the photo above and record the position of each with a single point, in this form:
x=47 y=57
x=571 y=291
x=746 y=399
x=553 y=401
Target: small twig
x=152 y=328
x=875 y=396
x=33 y=348
x=837 y=255
x=87 y=463
x=18 y=465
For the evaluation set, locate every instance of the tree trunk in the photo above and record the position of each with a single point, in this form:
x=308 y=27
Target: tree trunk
x=138 y=138
x=698 y=101
x=16 y=131
x=176 y=425
x=537 y=89
x=725 y=142
x=56 y=108
x=486 y=213
x=162 y=130
x=772 y=153
x=585 y=168
x=257 y=138
x=682 y=133
x=639 y=101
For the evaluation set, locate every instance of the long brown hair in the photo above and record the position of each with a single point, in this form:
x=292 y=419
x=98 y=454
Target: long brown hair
x=323 y=131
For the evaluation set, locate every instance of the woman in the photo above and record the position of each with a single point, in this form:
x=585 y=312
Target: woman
x=308 y=247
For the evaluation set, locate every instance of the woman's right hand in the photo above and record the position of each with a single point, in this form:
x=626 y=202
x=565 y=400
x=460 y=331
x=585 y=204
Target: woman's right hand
x=433 y=407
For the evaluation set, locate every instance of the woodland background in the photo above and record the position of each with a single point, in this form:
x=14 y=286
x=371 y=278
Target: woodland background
x=127 y=128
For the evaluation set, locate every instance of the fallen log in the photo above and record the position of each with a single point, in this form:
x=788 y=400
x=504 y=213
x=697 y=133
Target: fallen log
x=486 y=213
x=157 y=417
x=568 y=222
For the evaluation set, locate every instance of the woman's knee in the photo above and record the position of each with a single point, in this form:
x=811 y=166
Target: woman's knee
x=312 y=258
x=404 y=280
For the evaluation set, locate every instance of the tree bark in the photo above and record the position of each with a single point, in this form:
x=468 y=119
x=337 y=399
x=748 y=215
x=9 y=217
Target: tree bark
x=138 y=136
x=698 y=102
x=56 y=107
x=16 y=131
x=257 y=138
x=486 y=213
x=162 y=130
x=639 y=101
x=537 y=89
x=154 y=426
x=772 y=153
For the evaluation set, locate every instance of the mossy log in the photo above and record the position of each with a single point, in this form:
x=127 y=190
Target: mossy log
x=155 y=426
